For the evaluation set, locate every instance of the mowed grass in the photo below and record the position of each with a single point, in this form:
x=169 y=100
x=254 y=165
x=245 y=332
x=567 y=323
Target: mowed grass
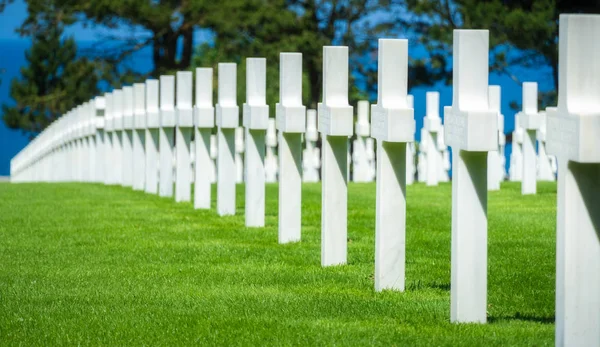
x=95 y=265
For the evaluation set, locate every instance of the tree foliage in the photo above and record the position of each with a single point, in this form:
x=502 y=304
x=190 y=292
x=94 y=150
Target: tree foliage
x=54 y=81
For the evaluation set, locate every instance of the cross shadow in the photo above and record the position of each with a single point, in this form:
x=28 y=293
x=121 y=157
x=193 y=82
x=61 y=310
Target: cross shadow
x=522 y=317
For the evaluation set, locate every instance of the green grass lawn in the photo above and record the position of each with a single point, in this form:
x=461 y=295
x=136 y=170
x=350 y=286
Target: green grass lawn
x=91 y=264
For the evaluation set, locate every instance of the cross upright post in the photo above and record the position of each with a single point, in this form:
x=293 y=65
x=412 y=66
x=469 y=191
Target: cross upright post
x=291 y=123
x=227 y=120
x=204 y=121
x=392 y=126
x=139 y=136
x=151 y=137
x=256 y=121
x=574 y=137
x=335 y=126
x=165 y=137
x=471 y=131
x=183 y=139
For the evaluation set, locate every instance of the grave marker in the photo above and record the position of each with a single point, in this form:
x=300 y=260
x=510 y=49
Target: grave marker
x=165 y=136
x=152 y=136
x=573 y=128
x=271 y=162
x=311 y=158
x=495 y=174
x=204 y=121
x=127 y=137
x=360 y=163
x=291 y=123
x=239 y=154
x=227 y=120
x=139 y=136
x=117 y=140
x=99 y=114
x=393 y=126
x=530 y=121
x=183 y=131
x=433 y=127
x=471 y=131
x=546 y=163
x=335 y=125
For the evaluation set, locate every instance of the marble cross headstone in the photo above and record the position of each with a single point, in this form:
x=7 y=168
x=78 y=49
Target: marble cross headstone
x=109 y=155
x=183 y=136
x=152 y=136
x=515 y=170
x=239 y=154
x=204 y=121
x=227 y=120
x=291 y=123
x=410 y=149
x=256 y=122
x=433 y=126
x=117 y=112
x=214 y=152
x=471 y=131
x=139 y=136
x=165 y=136
x=311 y=156
x=573 y=136
x=335 y=125
x=530 y=121
x=127 y=137
x=546 y=163
x=393 y=126
x=495 y=163
x=271 y=163
x=101 y=169
x=360 y=162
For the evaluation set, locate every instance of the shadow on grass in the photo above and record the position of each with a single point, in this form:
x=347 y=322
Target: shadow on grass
x=418 y=285
x=522 y=317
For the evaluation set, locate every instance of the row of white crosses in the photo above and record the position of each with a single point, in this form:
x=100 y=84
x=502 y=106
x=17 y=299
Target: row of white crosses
x=471 y=130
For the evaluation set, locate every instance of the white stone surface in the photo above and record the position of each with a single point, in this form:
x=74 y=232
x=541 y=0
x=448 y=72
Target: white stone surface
x=335 y=125
x=546 y=169
x=572 y=135
x=204 y=121
x=291 y=123
x=471 y=129
x=127 y=137
x=271 y=161
x=99 y=107
x=496 y=172
x=214 y=152
x=240 y=145
x=530 y=121
x=361 y=164
x=227 y=119
x=165 y=136
x=117 y=160
x=392 y=109
x=183 y=133
x=411 y=151
x=151 y=137
x=311 y=156
x=139 y=136
x=256 y=117
x=515 y=170
x=433 y=127
x=109 y=176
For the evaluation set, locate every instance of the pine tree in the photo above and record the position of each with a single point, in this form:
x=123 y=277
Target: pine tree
x=54 y=81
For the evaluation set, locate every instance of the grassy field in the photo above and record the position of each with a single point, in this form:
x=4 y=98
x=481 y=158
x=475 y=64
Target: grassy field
x=96 y=265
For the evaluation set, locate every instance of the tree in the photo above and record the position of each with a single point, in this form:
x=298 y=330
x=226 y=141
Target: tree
x=523 y=33
x=54 y=81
